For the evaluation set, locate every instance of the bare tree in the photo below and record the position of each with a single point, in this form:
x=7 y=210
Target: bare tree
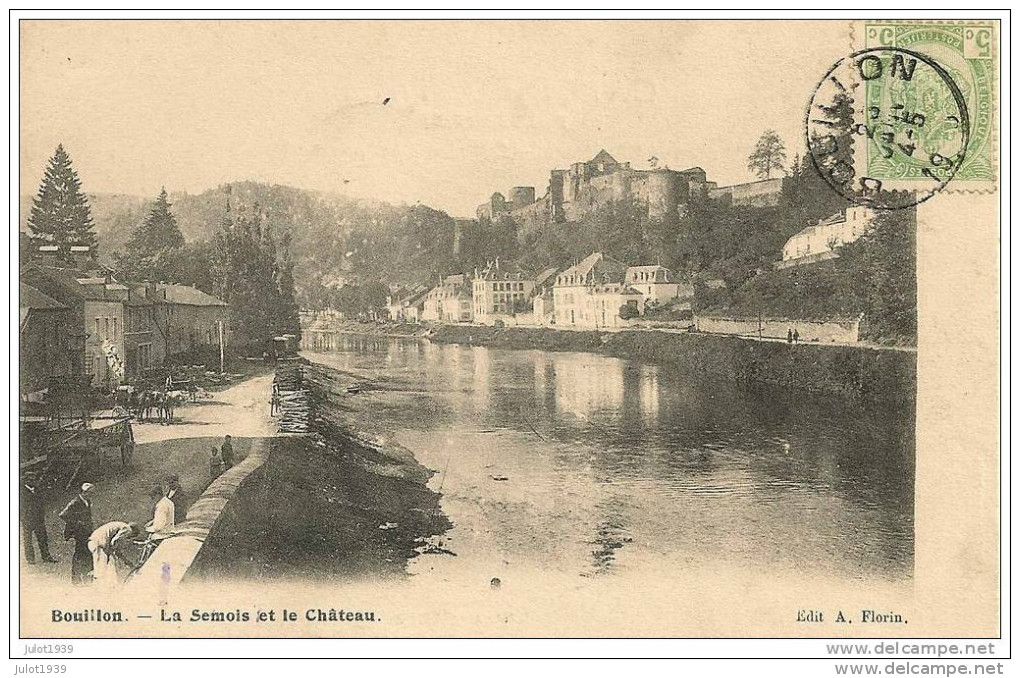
x=769 y=154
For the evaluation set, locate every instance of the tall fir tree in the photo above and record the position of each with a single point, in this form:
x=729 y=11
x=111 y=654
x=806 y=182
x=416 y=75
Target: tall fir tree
x=60 y=212
x=154 y=250
x=159 y=231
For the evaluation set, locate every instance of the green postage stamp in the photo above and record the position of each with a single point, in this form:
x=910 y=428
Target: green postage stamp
x=965 y=51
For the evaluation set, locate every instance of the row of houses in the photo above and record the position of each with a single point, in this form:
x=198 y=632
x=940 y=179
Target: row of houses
x=82 y=322
x=598 y=291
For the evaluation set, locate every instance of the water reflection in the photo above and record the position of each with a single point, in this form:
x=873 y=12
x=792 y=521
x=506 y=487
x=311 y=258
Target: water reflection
x=606 y=457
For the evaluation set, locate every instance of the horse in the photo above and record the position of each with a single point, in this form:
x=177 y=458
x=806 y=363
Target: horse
x=146 y=401
x=170 y=400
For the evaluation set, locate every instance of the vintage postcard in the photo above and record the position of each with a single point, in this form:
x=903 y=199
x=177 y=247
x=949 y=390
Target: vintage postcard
x=472 y=328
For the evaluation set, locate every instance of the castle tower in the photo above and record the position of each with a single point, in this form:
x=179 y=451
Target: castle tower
x=521 y=196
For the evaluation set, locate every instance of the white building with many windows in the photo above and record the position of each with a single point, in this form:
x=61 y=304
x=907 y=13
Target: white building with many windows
x=450 y=301
x=822 y=240
x=657 y=283
x=500 y=291
x=593 y=292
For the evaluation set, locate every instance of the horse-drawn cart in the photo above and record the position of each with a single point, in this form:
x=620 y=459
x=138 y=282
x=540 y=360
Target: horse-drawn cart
x=108 y=438
x=63 y=454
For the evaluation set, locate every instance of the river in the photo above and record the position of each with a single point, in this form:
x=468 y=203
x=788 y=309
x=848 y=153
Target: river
x=591 y=466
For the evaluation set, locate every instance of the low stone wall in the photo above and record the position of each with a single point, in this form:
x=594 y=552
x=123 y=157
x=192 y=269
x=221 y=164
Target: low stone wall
x=824 y=331
x=525 y=319
x=856 y=372
x=173 y=557
x=806 y=260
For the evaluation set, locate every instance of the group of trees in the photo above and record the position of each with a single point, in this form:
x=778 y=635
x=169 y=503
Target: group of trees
x=880 y=270
x=254 y=274
x=352 y=299
x=156 y=251
x=621 y=228
x=246 y=264
x=344 y=253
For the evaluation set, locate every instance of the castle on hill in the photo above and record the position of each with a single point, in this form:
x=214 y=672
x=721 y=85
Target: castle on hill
x=573 y=193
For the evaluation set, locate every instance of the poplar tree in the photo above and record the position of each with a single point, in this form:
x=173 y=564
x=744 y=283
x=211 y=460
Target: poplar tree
x=288 y=318
x=60 y=212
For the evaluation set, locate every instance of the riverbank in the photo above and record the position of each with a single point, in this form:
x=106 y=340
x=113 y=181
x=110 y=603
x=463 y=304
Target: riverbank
x=858 y=372
x=181 y=449
x=364 y=509
x=367 y=328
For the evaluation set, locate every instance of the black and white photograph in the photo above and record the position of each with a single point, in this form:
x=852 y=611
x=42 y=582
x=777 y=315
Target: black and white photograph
x=507 y=328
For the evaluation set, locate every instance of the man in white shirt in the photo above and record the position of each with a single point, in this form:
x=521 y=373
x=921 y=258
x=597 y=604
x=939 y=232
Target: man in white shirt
x=103 y=544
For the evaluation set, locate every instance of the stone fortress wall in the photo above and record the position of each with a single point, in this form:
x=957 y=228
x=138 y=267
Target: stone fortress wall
x=764 y=193
x=574 y=193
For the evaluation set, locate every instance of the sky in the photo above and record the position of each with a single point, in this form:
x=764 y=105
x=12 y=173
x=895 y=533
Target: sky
x=474 y=107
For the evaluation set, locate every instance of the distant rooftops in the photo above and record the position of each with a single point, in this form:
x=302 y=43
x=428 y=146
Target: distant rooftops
x=31 y=298
x=650 y=273
x=187 y=296
x=545 y=276
x=94 y=285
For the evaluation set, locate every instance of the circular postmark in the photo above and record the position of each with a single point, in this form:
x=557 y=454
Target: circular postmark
x=887 y=128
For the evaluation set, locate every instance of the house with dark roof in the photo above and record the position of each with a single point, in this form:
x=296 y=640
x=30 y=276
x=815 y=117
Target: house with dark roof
x=406 y=305
x=95 y=319
x=593 y=292
x=114 y=331
x=450 y=301
x=658 y=284
x=499 y=292
x=45 y=349
x=188 y=319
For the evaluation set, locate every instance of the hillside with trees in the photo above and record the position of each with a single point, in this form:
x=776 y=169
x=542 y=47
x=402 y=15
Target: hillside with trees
x=343 y=253
x=333 y=241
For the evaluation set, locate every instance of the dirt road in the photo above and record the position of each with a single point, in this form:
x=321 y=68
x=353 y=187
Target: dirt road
x=182 y=448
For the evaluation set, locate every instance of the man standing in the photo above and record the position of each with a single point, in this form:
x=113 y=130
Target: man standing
x=175 y=493
x=227 y=452
x=215 y=464
x=274 y=400
x=33 y=519
x=77 y=517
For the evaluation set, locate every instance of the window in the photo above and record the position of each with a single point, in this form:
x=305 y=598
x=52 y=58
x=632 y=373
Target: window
x=115 y=335
x=98 y=332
